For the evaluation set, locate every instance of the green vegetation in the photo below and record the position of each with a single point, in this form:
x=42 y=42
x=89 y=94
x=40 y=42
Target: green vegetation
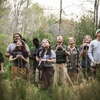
x=31 y=22
x=25 y=90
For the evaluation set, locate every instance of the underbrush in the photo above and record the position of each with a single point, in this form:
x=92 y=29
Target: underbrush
x=26 y=90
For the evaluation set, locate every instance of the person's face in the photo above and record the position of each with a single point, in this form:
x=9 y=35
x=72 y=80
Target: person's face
x=87 y=39
x=71 y=41
x=98 y=35
x=17 y=37
x=45 y=43
x=19 y=43
x=59 y=39
x=36 y=43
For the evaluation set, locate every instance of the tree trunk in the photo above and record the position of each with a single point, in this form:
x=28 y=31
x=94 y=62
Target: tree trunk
x=96 y=8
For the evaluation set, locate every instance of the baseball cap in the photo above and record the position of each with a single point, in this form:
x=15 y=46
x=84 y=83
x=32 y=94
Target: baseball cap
x=98 y=30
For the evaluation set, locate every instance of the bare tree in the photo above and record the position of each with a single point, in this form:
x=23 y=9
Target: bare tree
x=16 y=14
x=96 y=9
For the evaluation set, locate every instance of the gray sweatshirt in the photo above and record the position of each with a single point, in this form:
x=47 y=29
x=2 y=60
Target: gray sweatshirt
x=94 y=51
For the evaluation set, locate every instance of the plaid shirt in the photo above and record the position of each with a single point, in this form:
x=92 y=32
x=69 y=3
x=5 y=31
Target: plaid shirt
x=73 y=60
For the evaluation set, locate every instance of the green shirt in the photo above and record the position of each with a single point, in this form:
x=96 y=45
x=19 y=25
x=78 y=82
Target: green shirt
x=60 y=55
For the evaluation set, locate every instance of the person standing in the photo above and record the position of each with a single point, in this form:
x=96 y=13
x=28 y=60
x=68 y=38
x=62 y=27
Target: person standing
x=48 y=57
x=85 y=61
x=11 y=46
x=19 y=57
x=94 y=54
x=37 y=46
x=60 y=65
x=73 y=61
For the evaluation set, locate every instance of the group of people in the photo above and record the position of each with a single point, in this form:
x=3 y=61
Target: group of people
x=61 y=63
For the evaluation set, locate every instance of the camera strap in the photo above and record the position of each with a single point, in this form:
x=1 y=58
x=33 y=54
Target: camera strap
x=77 y=55
x=20 y=63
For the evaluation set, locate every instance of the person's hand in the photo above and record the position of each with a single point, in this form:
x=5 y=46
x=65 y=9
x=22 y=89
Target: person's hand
x=20 y=56
x=94 y=63
x=41 y=61
x=85 y=46
x=2 y=71
x=59 y=46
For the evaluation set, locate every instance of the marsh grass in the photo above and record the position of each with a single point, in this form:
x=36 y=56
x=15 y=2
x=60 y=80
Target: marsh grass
x=25 y=90
x=90 y=92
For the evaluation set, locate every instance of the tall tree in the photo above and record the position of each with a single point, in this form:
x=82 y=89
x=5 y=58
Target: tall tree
x=2 y=7
x=96 y=9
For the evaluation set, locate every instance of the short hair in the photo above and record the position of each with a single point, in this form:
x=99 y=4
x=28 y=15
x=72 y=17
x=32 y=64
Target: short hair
x=35 y=40
x=16 y=34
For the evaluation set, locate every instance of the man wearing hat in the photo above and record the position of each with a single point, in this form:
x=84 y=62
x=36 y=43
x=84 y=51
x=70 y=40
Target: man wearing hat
x=94 y=54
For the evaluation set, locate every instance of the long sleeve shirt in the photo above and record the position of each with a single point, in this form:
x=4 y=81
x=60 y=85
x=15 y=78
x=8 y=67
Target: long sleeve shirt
x=94 y=51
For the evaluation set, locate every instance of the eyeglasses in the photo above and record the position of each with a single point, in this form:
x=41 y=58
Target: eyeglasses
x=16 y=36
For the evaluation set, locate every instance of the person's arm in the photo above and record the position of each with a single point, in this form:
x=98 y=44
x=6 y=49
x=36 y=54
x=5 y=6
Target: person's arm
x=28 y=50
x=37 y=55
x=90 y=52
x=2 y=70
x=53 y=57
x=82 y=51
x=53 y=60
x=7 y=54
x=11 y=58
x=25 y=59
x=1 y=62
x=37 y=59
x=32 y=55
x=66 y=52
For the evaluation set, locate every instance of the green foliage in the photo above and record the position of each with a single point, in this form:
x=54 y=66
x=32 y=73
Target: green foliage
x=2 y=41
x=37 y=7
x=84 y=27
x=20 y=89
x=2 y=1
x=65 y=39
x=3 y=44
x=29 y=43
x=2 y=8
x=41 y=35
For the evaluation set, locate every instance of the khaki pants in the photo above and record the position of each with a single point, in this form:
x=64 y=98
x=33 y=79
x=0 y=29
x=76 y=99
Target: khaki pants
x=17 y=72
x=95 y=70
x=60 y=74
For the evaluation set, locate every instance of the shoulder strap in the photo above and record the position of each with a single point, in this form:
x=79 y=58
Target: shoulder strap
x=77 y=54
